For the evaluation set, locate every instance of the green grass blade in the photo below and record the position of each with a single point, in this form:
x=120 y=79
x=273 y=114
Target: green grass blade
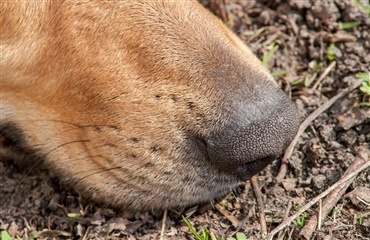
x=240 y=236
x=348 y=25
x=192 y=229
x=280 y=73
x=330 y=53
x=266 y=56
x=366 y=8
x=5 y=236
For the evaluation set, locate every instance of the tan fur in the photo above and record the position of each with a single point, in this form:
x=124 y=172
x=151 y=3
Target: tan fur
x=109 y=92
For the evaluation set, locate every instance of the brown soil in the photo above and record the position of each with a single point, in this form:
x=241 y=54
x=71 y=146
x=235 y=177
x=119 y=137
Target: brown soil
x=33 y=203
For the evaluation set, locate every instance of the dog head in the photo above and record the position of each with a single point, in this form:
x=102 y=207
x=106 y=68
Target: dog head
x=142 y=105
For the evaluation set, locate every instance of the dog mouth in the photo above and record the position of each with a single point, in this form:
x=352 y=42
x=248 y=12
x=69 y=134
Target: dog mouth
x=249 y=169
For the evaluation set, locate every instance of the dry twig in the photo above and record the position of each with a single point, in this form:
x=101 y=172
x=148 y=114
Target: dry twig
x=286 y=215
x=324 y=74
x=307 y=122
x=363 y=154
x=234 y=221
x=260 y=204
x=331 y=200
x=163 y=229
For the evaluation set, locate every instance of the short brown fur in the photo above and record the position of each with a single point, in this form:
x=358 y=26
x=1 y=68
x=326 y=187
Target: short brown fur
x=110 y=93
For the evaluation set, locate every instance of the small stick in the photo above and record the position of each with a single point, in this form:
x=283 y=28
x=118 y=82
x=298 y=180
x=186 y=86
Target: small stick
x=86 y=233
x=163 y=229
x=260 y=204
x=331 y=200
x=324 y=74
x=313 y=116
x=363 y=201
x=282 y=171
x=320 y=215
x=286 y=215
x=291 y=233
x=256 y=34
x=363 y=154
x=234 y=221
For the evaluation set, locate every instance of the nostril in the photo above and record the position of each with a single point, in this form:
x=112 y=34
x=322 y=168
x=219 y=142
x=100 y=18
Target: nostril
x=267 y=159
x=201 y=143
x=247 y=170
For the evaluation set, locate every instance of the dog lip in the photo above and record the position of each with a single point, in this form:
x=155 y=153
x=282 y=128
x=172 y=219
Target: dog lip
x=248 y=170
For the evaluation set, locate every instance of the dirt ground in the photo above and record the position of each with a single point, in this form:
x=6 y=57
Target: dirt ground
x=315 y=58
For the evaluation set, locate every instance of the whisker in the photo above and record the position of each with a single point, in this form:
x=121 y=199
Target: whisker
x=103 y=170
x=45 y=155
x=64 y=144
x=74 y=124
x=126 y=180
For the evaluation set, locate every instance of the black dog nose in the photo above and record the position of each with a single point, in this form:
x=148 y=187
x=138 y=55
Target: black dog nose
x=258 y=132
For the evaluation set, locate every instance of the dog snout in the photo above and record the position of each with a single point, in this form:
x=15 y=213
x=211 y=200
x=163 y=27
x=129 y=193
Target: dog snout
x=258 y=132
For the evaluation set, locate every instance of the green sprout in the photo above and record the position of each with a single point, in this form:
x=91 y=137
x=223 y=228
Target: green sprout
x=365 y=88
x=205 y=235
x=4 y=235
x=238 y=236
x=300 y=220
x=316 y=68
x=330 y=53
x=273 y=47
x=348 y=25
x=366 y=8
x=74 y=215
x=360 y=219
x=280 y=73
x=297 y=81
